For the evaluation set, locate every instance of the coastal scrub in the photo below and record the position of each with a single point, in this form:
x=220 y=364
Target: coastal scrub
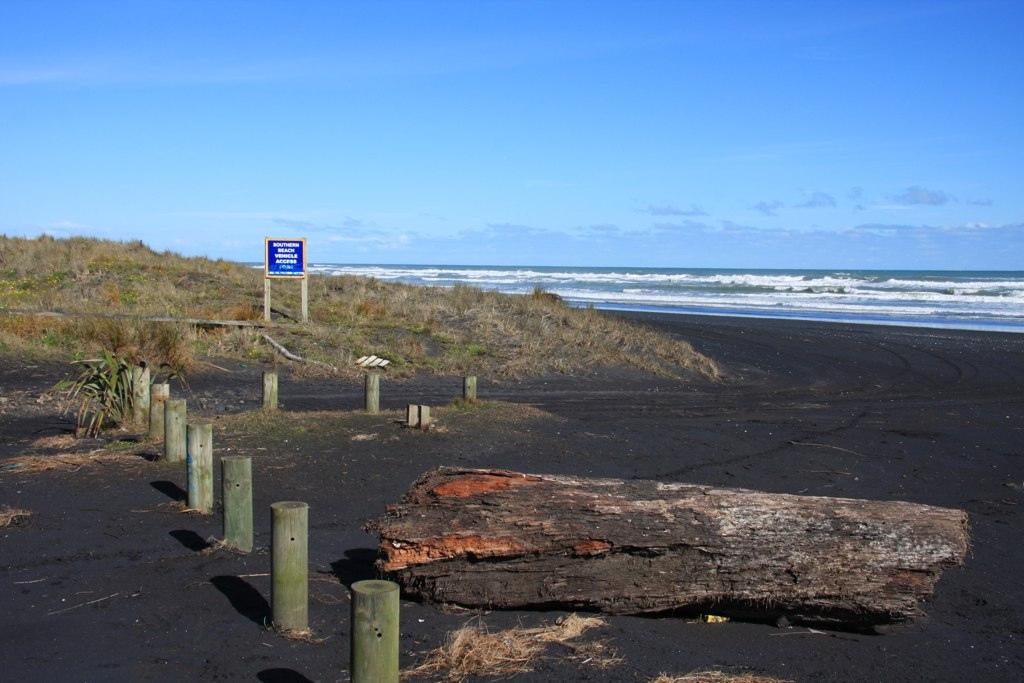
x=419 y=329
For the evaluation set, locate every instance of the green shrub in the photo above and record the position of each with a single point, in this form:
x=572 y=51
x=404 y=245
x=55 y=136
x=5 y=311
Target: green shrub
x=102 y=393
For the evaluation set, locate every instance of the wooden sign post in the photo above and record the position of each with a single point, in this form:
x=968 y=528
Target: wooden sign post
x=285 y=259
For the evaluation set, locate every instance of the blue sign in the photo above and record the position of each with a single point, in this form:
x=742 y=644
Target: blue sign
x=286 y=257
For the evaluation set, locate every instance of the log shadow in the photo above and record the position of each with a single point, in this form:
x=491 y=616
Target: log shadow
x=282 y=676
x=248 y=602
x=190 y=540
x=170 y=489
x=833 y=620
x=357 y=565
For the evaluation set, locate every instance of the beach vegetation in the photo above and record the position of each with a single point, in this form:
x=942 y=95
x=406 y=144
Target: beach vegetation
x=101 y=394
x=474 y=650
x=443 y=330
x=11 y=516
x=715 y=676
x=541 y=294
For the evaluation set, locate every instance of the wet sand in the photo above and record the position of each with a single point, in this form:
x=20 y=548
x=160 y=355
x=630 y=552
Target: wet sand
x=929 y=416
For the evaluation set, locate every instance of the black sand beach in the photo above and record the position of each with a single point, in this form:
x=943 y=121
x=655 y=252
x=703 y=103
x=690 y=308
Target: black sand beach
x=107 y=582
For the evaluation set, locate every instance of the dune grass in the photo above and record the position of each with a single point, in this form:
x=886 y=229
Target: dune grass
x=420 y=329
x=718 y=677
x=12 y=516
x=474 y=650
x=71 y=462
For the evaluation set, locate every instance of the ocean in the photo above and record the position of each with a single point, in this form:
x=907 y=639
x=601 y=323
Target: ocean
x=985 y=300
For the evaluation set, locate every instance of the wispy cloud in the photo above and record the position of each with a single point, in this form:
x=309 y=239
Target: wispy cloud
x=767 y=208
x=543 y=184
x=671 y=210
x=981 y=202
x=71 y=228
x=887 y=228
x=346 y=223
x=114 y=70
x=29 y=75
x=513 y=229
x=915 y=195
x=293 y=224
x=600 y=229
x=59 y=228
x=360 y=58
x=953 y=229
x=272 y=216
x=817 y=200
x=684 y=226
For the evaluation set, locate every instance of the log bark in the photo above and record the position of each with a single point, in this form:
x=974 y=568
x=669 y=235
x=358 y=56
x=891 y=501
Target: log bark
x=500 y=539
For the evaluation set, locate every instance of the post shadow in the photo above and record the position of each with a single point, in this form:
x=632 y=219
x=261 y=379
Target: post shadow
x=248 y=602
x=190 y=539
x=170 y=489
x=282 y=676
x=357 y=565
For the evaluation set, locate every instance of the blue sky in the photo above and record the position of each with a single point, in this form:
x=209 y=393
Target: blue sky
x=814 y=134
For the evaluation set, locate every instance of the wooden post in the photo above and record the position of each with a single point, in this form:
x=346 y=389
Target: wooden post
x=305 y=299
x=266 y=299
x=372 y=388
x=236 y=481
x=412 y=415
x=174 y=430
x=199 y=464
x=289 y=560
x=374 y=646
x=469 y=388
x=269 y=390
x=140 y=394
x=424 y=418
x=158 y=395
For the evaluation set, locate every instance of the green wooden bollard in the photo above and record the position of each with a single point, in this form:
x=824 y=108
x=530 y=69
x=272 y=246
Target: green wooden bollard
x=269 y=390
x=140 y=394
x=412 y=415
x=199 y=465
x=289 y=560
x=374 y=648
x=372 y=389
x=236 y=481
x=174 y=430
x=469 y=388
x=158 y=395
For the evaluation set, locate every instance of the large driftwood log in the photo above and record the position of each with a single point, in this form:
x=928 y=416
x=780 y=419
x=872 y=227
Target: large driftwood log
x=493 y=538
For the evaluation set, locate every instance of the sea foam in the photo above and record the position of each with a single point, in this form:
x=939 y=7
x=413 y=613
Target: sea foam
x=968 y=299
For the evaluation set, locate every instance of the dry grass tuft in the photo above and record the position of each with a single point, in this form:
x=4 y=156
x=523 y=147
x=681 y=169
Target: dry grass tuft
x=65 y=462
x=303 y=636
x=718 y=677
x=12 y=516
x=474 y=651
x=217 y=545
x=161 y=344
x=502 y=410
x=59 y=441
x=363 y=437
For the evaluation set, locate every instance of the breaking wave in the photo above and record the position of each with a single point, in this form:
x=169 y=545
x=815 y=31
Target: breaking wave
x=966 y=299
